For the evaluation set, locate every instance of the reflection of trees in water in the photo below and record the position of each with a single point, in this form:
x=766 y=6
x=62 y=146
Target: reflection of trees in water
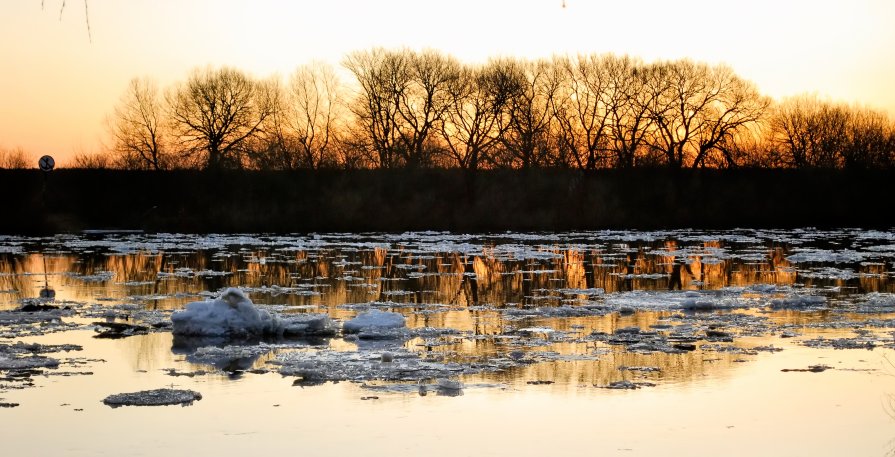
x=601 y=371
x=606 y=368
x=448 y=289
x=334 y=275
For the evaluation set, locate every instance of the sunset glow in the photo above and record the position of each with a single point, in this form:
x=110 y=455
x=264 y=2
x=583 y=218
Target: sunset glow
x=59 y=84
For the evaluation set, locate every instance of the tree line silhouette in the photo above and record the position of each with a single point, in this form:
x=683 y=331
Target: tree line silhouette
x=424 y=109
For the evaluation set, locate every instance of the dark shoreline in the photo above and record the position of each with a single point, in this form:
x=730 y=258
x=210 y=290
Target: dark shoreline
x=72 y=200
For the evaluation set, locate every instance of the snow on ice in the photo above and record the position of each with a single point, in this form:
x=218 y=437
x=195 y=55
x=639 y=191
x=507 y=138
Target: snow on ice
x=374 y=319
x=234 y=315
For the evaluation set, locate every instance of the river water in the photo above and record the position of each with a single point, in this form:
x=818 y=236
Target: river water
x=744 y=342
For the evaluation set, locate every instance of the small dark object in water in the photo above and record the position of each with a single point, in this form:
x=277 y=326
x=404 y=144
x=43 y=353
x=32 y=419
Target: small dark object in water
x=308 y=382
x=33 y=308
x=8 y=405
x=539 y=382
x=685 y=346
x=812 y=369
x=627 y=385
x=370 y=398
x=119 y=330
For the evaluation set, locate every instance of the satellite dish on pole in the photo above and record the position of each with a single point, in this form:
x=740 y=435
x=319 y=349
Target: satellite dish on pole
x=46 y=163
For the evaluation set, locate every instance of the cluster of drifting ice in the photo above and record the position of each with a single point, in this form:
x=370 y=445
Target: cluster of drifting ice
x=325 y=365
x=18 y=324
x=877 y=303
x=21 y=356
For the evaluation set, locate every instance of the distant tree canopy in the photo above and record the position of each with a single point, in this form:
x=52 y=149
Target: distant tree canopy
x=408 y=108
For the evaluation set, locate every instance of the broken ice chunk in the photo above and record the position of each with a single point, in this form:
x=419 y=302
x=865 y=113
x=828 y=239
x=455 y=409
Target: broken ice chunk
x=157 y=397
x=232 y=314
x=374 y=320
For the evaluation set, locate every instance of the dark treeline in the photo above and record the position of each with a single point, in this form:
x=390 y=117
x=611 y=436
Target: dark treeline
x=424 y=109
x=442 y=199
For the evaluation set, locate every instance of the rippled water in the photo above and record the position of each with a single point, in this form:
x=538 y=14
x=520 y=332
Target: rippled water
x=741 y=342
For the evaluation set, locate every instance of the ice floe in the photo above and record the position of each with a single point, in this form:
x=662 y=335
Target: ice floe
x=157 y=397
x=233 y=315
x=329 y=365
x=374 y=320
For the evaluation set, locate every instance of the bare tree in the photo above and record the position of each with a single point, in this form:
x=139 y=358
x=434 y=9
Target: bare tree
x=301 y=132
x=92 y=161
x=681 y=92
x=313 y=108
x=472 y=128
x=695 y=108
x=815 y=133
x=751 y=147
x=15 y=159
x=581 y=107
x=628 y=104
x=381 y=75
x=403 y=97
x=138 y=127
x=215 y=114
x=811 y=132
x=871 y=140
x=737 y=106
x=793 y=128
x=529 y=113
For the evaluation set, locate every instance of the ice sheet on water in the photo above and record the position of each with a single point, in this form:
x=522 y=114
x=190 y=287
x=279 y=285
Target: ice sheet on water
x=99 y=276
x=157 y=397
x=330 y=365
x=8 y=362
x=185 y=272
x=686 y=300
x=876 y=302
x=374 y=320
x=818 y=255
x=305 y=290
x=231 y=357
x=18 y=324
x=592 y=292
x=591 y=309
x=21 y=356
x=843 y=274
x=802 y=302
x=755 y=296
x=860 y=342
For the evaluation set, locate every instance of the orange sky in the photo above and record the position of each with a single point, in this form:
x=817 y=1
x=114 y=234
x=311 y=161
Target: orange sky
x=57 y=87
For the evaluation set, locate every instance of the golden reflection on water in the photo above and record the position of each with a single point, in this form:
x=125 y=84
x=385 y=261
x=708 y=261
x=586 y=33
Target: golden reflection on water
x=332 y=276
x=739 y=409
x=737 y=402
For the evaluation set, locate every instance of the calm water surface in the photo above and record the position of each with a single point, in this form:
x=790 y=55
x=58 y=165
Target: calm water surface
x=541 y=323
